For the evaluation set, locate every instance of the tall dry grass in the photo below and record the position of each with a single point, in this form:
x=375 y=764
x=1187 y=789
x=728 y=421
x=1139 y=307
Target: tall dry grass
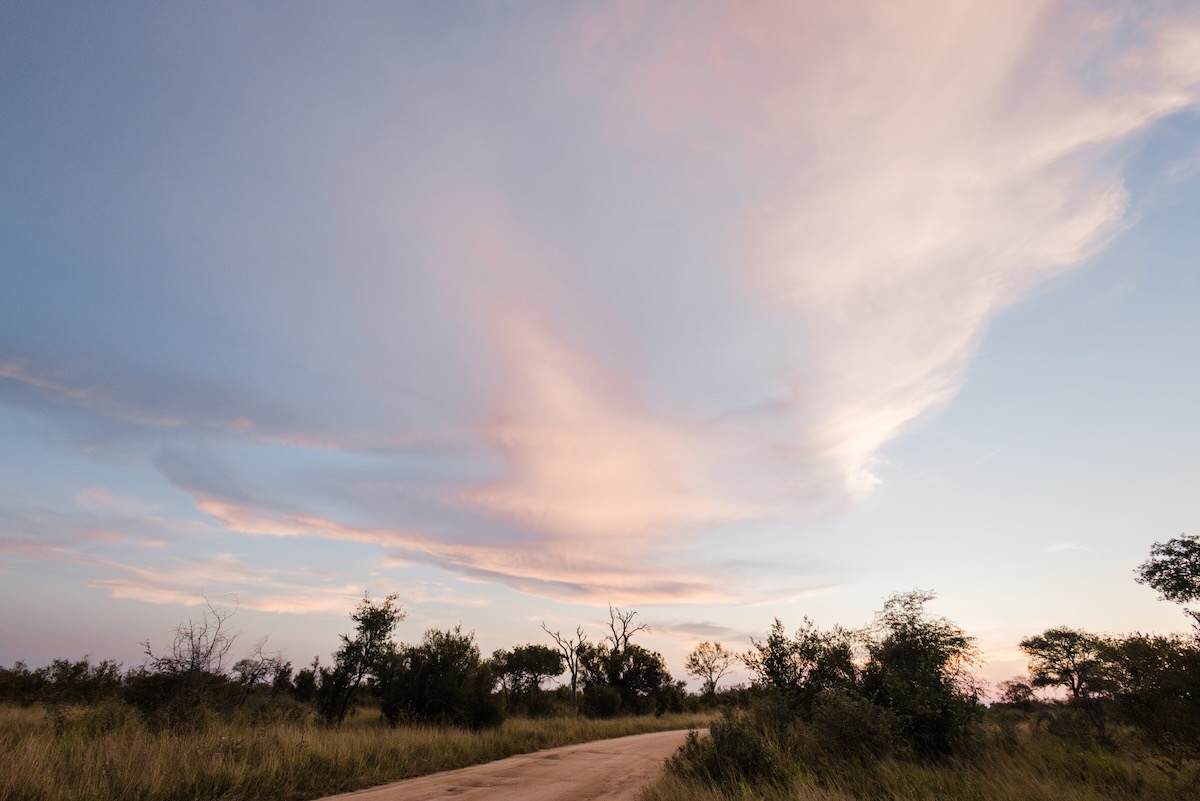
x=1018 y=763
x=106 y=753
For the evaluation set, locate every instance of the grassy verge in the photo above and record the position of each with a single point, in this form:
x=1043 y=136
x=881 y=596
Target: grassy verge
x=107 y=753
x=1013 y=764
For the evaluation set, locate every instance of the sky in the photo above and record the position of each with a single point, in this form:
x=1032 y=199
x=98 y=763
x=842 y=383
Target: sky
x=719 y=312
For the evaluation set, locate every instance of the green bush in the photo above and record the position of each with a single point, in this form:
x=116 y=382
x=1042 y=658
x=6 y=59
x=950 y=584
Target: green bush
x=736 y=750
x=850 y=726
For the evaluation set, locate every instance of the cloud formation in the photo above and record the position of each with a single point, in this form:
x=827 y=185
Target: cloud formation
x=922 y=166
x=693 y=267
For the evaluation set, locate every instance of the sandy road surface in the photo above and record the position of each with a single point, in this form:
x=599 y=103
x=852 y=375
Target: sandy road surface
x=605 y=770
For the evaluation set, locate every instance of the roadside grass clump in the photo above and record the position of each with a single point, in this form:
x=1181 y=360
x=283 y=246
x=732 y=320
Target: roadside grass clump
x=111 y=753
x=736 y=751
x=1015 y=761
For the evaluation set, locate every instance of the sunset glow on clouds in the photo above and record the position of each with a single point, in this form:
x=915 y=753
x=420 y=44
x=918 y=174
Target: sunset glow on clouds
x=548 y=309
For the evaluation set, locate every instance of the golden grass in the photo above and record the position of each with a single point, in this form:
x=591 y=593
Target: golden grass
x=1021 y=765
x=107 y=753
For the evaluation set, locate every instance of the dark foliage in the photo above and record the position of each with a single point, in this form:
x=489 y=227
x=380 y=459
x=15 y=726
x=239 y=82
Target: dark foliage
x=441 y=681
x=1174 y=570
x=736 y=750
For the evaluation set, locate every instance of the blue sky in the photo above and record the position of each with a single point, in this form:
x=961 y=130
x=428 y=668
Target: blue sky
x=718 y=312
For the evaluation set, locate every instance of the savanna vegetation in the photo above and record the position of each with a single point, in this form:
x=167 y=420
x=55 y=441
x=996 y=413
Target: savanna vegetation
x=888 y=710
x=892 y=710
x=193 y=722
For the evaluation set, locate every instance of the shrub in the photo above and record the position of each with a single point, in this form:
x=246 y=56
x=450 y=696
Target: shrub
x=848 y=725
x=735 y=751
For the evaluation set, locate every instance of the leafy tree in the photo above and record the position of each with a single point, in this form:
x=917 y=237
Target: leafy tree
x=360 y=656
x=522 y=670
x=1155 y=685
x=443 y=681
x=1068 y=658
x=801 y=667
x=304 y=685
x=918 y=668
x=1174 y=570
x=638 y=676
x=709 y=661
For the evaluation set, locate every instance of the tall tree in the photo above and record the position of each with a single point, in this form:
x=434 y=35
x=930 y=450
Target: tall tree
x=359 y=656
x=919 y=669
x=1174 y=570
x=572 y=649
x=442 y=681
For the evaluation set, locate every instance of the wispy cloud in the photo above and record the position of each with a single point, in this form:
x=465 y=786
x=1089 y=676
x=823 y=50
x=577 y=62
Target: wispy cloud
x=922 y=167
x=569 y=397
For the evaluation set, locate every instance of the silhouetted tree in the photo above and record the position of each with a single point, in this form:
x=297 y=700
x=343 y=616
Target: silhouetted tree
x=442 y=681
x=522 y=670
x=1174 y=570
x=1154 y=681
x=360 y=656
x=571 y=649
x=801 y=667
x=918 y=669
x=1068 y=658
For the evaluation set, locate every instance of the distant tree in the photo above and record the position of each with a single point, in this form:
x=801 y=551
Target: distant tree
x=709 y=662
x=304 y=685
x=442 y=680
x=1067 y=658
x=176 y=687
x=198 y=646
x=20 y=684
x=522 y=670
x=619 y=674
x=571 y=649
x=621 y=628
x=1016 y=692
x=360 y=656
x=1174 y=570
x=261 y=669
x=81 y=682
x=634 y=680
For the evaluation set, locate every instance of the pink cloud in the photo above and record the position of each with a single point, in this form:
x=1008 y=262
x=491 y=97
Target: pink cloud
x=923 y=165
x=586 y=459
x=557 y=567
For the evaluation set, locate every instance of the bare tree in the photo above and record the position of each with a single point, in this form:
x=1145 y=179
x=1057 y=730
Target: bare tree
x=259 y=668
x=198 y=646
x=622 y=628
x=570 y=649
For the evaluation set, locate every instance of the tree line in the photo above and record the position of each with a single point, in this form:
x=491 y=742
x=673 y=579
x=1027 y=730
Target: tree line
x=903 y=687
x=904 y=681
x=443 y=680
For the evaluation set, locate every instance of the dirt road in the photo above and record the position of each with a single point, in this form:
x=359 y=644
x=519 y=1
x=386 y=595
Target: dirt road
x=606 y=770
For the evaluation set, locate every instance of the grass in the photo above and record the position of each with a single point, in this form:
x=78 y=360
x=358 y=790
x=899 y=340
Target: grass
x=107 y=753
x=1013 y=764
